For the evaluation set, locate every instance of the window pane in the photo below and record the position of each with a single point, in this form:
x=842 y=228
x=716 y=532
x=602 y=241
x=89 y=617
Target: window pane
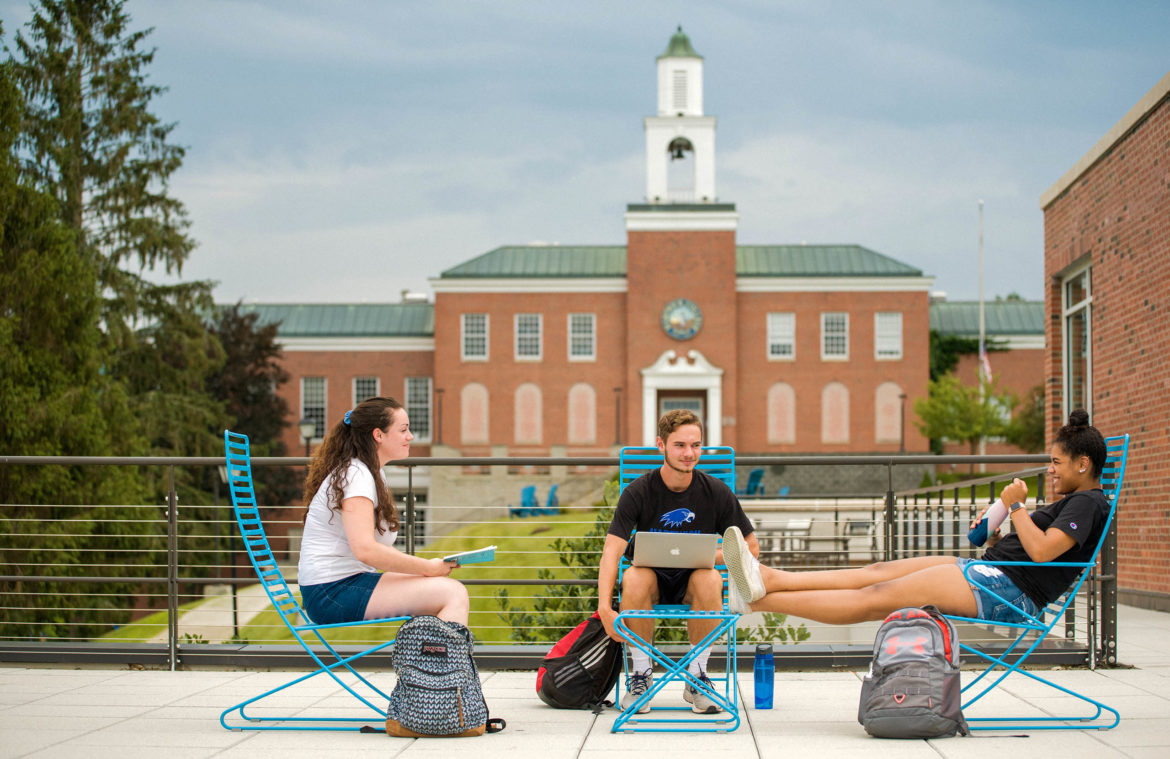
x=364 y=387
x=581 y=336
x=835 y=334
x=418 y=406
x=528 y=335
x=888 y=335
x=313 y=403
x=475 y=336
x=781 y=335
x=1076 y=351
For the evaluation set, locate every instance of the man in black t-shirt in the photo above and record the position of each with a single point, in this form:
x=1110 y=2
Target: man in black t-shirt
x=673 y=498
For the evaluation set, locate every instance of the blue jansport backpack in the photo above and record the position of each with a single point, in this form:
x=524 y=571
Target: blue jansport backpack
x=912 y=689
x=438 y=693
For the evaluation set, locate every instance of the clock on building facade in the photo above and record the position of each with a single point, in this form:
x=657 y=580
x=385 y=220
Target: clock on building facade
x=682 y=319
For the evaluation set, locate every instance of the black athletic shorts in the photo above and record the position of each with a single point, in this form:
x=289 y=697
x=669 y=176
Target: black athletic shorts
x=672 y=585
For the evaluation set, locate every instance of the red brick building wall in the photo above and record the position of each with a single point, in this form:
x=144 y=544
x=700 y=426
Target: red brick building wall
x=339 y=367
x=1113 y=211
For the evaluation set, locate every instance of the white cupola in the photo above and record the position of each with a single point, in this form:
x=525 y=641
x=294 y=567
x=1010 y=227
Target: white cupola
x=680 y=140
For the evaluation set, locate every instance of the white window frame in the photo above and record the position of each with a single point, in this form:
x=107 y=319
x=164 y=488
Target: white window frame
x=888 y=335
x=592 y=355
x=323 y=421
x=539 y=336
x=412 y=406
x=359 y=397
x=464 y=335
x=825 y=356
x=780 y=334
x=1068 y=311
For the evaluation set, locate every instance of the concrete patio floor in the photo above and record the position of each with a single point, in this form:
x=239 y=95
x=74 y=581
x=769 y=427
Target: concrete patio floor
x=56 y=712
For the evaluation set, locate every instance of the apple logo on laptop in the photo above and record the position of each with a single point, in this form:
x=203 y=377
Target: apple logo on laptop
x=674 y=552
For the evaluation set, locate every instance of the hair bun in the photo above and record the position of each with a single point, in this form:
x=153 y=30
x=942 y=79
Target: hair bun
x=1078 y=418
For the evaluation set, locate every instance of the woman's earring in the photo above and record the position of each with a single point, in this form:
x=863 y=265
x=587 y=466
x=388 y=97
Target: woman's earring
x=1082 y=471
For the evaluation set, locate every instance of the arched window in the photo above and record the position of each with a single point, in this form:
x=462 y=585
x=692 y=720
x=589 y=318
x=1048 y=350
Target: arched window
x=528 y=422
x=887 y=407
x=473 y=426
x=835 y=413
x=781 y=413
x=582 y=414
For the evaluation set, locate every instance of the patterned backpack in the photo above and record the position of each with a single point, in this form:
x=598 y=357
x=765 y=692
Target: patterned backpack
x=438 y=693
x=912 y=688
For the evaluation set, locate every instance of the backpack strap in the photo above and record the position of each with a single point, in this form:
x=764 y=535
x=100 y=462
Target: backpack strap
x=495 y=724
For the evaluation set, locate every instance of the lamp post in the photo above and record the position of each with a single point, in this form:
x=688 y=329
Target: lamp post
x=307 y=428
x=902 y=431
x=438 y=416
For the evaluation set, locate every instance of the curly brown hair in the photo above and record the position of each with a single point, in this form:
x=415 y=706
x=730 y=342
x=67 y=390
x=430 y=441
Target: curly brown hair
x=352 y=438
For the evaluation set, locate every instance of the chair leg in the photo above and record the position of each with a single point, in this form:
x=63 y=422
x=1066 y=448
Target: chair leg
x=314 y=723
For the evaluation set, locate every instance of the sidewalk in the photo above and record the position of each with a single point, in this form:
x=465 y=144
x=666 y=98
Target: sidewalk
x=97 y=713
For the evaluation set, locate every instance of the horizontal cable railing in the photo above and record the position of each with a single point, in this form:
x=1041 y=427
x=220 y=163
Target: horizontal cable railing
x=173 y=577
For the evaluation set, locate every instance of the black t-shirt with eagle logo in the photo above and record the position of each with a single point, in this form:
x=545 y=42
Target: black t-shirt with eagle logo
x=706 y=506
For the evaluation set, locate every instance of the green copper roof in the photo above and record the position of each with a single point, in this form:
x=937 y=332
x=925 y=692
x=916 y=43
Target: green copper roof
x=352 y=320
x=545 y=261
x=534 y=261
x=680 y=47
x=817 y=261
x=1001 y=317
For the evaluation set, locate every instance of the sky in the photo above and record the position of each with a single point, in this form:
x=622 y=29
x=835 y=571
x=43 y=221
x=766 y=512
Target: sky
x=345 y=151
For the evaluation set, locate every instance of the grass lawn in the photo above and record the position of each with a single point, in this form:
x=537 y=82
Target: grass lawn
x=147 y=627
x=522 y=547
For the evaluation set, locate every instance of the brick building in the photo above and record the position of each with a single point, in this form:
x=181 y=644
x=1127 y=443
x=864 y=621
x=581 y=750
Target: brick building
x=1107 y=265
x=575 y=350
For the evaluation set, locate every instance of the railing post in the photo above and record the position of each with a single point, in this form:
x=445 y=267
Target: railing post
x=410 y=510
x=172 y=574
x=1108 y=596
x=891 y=532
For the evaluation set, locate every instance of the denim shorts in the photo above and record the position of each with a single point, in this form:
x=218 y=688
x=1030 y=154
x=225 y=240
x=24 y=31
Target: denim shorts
x=984 y=580
x=343 y=600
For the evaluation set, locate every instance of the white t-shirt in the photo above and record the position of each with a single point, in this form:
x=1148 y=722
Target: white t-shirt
x=325 y=553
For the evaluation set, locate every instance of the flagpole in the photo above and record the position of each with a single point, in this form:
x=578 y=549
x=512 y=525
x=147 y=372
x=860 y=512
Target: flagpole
x=982 y=330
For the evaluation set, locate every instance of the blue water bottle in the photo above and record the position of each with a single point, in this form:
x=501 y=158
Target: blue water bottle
x=765 y=673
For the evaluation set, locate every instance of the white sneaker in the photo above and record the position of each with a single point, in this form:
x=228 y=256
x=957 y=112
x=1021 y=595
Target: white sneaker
x=700 y=702
x=743 y=570
x=636 y=685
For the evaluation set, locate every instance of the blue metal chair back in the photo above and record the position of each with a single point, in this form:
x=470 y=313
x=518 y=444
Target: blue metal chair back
x=243 y=493
x=634 y=461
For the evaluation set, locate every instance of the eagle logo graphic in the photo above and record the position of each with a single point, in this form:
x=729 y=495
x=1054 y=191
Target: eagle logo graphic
x=677 y=518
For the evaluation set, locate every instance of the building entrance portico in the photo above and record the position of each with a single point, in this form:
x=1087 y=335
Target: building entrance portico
x=699 y=380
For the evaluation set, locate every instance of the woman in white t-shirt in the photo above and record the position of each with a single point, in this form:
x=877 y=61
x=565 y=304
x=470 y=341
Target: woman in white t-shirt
x=349 y=568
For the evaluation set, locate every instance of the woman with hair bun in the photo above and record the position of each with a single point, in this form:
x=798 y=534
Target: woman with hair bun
x=1065 y=531
x=349 y=569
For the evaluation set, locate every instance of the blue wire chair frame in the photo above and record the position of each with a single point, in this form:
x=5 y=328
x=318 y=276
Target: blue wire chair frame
x=1103 y=717
x=719 y=462
x=239 y=465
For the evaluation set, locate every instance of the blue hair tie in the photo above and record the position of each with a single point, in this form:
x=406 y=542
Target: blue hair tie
x=346 y=420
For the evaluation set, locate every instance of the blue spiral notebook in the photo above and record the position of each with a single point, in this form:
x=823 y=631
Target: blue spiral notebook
x=477 y=556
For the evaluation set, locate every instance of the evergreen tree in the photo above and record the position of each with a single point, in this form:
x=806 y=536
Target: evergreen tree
x=53 y=398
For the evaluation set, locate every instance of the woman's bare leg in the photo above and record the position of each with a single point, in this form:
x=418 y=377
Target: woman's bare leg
x=933 y=582
x=400 y=595
x=848 y=579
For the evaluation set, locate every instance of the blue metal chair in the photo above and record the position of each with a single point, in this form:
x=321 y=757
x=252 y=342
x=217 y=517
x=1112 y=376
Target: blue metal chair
x=719 y=462
x=239 y=466
x=552 y=506
x=529 y=506
x=755 y=483
x=1102 y=717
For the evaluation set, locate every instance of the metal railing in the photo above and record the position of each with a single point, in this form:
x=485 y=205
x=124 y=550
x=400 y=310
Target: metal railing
x=194 y=598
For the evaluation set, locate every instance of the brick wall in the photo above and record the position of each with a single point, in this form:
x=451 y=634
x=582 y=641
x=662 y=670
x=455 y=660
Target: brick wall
x=1116 y=214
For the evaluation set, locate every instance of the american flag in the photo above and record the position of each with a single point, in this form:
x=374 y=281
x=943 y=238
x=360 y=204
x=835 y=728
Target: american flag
x=984 y=364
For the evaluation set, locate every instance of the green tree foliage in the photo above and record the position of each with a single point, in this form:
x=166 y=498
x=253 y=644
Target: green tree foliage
x=945 y=351
x=1027 y=427
x=54 y=397
x=955 y=411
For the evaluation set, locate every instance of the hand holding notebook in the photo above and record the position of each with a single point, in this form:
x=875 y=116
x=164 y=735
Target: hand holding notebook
x=476 y=556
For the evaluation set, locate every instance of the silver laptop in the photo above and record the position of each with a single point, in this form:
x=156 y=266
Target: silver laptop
x=675 y=550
